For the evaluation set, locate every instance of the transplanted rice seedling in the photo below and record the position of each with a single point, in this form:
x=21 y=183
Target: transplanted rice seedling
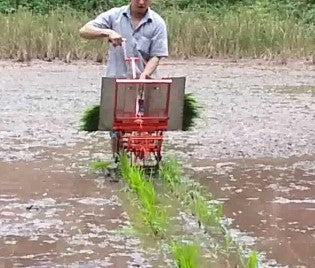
x=207 y=214
x=171 y=173
x=252 y=261
x=153 y=214
x=99 y=165
x=186 y=255
x=157 y=219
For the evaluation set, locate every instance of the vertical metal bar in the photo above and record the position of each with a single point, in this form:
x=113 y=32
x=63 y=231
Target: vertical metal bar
x=133 y=66
x=168 y=99
x=123 y=44
x=116 y=96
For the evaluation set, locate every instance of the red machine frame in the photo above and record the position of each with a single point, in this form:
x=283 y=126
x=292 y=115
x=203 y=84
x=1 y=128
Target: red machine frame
x=141 y=136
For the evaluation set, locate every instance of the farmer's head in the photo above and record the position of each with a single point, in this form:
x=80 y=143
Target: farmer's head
x=140 y=7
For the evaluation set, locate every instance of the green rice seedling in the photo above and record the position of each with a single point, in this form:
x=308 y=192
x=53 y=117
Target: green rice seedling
x=124 y=165
x=207 y=214
x=89 y=121
x=135 y=179
x=228 y=241
x=153 y=215
x=191 y=111
x=252 y=261
x=186 y=255
x=99 y=165
x=157 y=219
x=171 y=173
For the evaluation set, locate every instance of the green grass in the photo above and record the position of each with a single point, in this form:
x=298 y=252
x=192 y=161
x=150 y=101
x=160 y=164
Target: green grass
x=26 y=36
x=186 y=255
x=238 y=33
x=241 y=31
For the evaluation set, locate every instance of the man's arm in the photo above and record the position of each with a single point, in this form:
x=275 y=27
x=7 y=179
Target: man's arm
x=159 y=49
x=101 y=27
x=150 y=67
x=88 y=31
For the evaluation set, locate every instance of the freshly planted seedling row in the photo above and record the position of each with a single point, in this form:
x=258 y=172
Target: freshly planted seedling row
x=207 y=213
x=154 y=215
x=185 y=255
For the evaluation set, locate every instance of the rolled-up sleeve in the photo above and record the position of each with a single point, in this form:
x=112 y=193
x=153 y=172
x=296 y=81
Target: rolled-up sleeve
x=104 y=20
x=159 y=45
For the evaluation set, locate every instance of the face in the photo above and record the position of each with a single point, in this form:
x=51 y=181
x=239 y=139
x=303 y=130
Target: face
x=140 y=6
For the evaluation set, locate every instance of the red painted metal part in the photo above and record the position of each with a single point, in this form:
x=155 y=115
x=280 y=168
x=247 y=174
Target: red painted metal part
x=141 y=136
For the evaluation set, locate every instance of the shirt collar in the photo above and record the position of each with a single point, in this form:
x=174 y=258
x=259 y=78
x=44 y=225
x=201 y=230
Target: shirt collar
x=147 y=17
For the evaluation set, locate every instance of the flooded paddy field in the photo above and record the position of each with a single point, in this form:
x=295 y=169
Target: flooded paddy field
x=253 y=148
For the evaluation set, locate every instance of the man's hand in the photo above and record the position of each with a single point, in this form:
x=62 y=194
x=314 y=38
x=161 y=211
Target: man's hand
x=115 y=38
x=144 y=76
x=89 y=31
x=149 y=69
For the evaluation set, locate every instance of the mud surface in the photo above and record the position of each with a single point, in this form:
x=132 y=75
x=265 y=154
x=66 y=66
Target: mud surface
x=53 y=216
x=254 y=147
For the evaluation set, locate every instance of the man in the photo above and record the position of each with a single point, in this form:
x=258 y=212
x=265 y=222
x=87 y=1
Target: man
x=145 y=34
x=145 y=37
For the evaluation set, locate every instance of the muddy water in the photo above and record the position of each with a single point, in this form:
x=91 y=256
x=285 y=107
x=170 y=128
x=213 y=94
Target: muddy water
x=270 y=205
x=254 y=147
x=54 y=218
x=53 y=211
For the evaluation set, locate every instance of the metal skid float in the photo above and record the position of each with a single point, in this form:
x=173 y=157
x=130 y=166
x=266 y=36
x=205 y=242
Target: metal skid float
x=139 y=112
